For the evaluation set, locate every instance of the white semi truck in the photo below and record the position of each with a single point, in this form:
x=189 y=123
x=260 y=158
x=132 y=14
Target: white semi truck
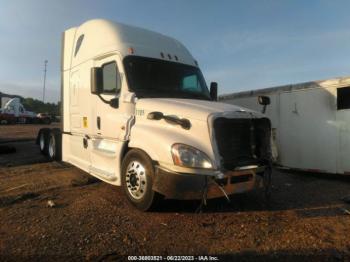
x=136 y=113
x=310 y=123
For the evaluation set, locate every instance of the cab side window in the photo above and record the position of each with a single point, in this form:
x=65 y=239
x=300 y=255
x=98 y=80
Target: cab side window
x=111 y=78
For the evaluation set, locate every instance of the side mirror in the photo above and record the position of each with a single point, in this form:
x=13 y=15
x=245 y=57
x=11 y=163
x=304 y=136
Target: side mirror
x=155 y=115
x=214 y=91
x=96 y=80
x=264 y=100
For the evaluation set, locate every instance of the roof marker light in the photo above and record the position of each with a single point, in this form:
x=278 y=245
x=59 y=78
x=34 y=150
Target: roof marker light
x=162 y=54
x=176 y=58
x=169 y=56
x=195 y=61
x=131 y=50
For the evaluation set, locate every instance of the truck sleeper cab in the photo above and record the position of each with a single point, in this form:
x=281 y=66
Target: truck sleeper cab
x=136 y=113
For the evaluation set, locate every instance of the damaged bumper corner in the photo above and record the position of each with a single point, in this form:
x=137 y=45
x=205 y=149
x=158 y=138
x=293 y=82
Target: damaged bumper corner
x=191 y=186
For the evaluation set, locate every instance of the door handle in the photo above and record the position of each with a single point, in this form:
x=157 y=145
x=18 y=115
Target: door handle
x=98 y=122
x=85 y=142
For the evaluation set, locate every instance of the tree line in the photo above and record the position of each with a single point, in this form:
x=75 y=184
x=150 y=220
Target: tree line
x=38 y=106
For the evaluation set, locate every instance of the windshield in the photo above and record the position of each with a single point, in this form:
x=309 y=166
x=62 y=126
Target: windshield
x=149 y=77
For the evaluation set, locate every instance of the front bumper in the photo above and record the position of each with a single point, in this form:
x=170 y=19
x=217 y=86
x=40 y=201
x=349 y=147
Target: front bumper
x=191 y=186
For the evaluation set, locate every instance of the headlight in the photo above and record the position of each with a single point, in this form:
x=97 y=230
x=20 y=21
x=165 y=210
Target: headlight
x=188 y=156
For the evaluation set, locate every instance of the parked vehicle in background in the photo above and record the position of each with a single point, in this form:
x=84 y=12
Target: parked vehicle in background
x=137 y=113
x=310 y=123
x=55 y=118
x=6 y=118
x=44 y=118
x=14 y=113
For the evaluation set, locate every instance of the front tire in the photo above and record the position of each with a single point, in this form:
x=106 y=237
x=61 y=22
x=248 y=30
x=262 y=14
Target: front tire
x=137 y=180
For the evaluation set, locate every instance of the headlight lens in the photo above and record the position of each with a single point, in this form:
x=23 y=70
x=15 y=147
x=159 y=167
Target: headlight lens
x=187 y=156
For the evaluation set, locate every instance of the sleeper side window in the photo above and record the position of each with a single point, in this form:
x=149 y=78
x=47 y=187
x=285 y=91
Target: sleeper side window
x=343 y=98
x=78 y=45
x=111 y=78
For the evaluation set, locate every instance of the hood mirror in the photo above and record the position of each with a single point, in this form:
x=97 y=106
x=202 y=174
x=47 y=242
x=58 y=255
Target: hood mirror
x=183 y=122
x=155 y=115
x=214 y=91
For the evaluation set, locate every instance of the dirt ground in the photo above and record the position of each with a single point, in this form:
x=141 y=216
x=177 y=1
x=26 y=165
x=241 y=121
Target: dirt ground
x=21 y=132
x=91 y=220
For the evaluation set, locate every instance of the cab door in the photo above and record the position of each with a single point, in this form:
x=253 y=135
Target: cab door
x=108 y=122
x=79 y=108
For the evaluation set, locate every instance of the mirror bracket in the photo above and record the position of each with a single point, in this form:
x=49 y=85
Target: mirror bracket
x=114 y=102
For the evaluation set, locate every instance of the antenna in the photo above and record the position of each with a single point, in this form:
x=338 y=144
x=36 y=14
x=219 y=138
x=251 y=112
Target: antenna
x=45 y=69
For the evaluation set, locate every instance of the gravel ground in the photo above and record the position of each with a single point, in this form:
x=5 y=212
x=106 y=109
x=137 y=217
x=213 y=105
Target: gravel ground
x=53 y=211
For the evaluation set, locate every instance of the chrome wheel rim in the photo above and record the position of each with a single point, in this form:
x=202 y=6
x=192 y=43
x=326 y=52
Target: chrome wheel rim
x=136 y=180
x=42 y=141
x=52 y=146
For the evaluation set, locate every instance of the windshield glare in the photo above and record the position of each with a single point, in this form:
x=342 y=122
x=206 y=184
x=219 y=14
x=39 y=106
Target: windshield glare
x=149 y=77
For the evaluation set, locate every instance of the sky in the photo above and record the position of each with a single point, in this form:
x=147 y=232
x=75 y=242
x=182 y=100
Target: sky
x=241 y=44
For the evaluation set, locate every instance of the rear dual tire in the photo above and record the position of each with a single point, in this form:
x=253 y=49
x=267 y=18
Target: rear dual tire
x=50 y=143
x=42 y=140
x=55 y=146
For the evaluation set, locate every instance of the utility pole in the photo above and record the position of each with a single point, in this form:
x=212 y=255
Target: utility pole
x=45 y=69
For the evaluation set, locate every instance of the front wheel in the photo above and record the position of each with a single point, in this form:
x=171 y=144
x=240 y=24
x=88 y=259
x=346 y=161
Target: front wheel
x=137 y=180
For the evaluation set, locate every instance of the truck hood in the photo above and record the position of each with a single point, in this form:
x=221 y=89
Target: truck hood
x=192 y=108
